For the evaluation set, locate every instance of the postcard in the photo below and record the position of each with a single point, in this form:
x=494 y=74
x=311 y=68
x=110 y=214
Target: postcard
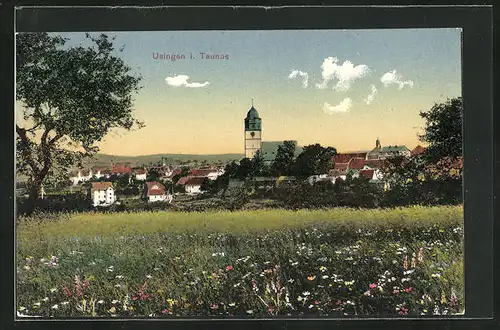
x=239 y=174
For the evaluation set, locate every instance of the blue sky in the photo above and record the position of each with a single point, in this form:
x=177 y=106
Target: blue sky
x=209 y=119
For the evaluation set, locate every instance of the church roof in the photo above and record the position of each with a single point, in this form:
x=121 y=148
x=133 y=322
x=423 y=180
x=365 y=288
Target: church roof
x=394 y=149
x=252 y=113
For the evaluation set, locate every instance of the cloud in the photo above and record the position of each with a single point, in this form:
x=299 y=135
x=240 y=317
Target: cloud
x=304 y=75
x=392 y=77
x=345 y=73
x=342 y=107
x=181 y=80
x=369 y=99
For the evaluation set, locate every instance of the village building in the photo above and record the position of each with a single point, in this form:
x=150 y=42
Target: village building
x=209 y=173
x=155 y=192
x=79 y=176
x=140 y=174
x=381 y=153
x=120 y=169
x=193 y=185
x=102 y=193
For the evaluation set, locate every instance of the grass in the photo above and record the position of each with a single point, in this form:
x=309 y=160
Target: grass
x=119 y=224
x=248 y=263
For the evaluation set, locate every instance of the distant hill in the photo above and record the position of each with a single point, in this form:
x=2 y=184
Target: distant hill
x=104 y=160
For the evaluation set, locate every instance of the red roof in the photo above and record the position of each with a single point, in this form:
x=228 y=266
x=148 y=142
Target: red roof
x=373 y=163
x=341 y=166
x=417 y=150
x=155 y=188
x=356 y=163
x=197 y=181
x=201 y=172
x=345 y=158
x=367 y=173
x=121 y=169
x=183 y=180
x=99 y=186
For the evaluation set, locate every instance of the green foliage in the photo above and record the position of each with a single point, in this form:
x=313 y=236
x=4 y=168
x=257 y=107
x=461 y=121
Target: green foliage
x=443 y=130
x=71 y=97
x=314 y=159
x=284 y=160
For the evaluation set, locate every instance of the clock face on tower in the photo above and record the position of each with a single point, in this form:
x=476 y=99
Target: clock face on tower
x=252 y=134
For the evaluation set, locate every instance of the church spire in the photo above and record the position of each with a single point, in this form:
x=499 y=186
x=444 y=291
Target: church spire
x=252 y=102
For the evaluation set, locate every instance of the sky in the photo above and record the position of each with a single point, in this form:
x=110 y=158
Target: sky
x=339 y=88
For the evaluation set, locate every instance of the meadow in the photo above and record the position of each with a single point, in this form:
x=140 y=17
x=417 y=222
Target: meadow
x=252 y=264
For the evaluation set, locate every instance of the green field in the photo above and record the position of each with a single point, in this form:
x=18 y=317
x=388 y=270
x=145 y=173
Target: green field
x=390 y=262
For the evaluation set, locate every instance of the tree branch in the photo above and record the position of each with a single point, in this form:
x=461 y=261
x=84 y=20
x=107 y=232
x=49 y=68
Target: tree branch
x=25 y=150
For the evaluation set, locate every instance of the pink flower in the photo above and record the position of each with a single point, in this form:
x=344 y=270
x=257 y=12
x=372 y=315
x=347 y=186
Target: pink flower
x=316 y=302
x=229 y=268
x=214 y=306
x=373 y=286
x=395 y=292
x=408 y=290
x=135 y=298
x=403 y=311
x=166 y=311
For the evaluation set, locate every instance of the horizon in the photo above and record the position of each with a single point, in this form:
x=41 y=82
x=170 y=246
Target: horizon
x=338 y=88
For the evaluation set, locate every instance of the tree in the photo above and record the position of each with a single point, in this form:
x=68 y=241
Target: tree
x=443 y=130
x=153 y=175
x=258 y=167
x=71 y=97
x=314 y=159
x=283 y=162
x=244 y=168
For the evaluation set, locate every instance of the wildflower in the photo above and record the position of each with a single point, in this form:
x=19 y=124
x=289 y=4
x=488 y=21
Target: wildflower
x=21 y=308
x=325 y=277
x=407 y=272
x=114 y=301
x=291 y=280
x=403 y=311
x=100 y=302
x=306 y=293
x=53 y=290
x=67 y=292
x=373 y=286
x=55 y=306
x=405 y=263
x=232 y=304
x=118 y=285
x=37 y=304
x=395 y=291
x=149 y=276
x=453 y=299
x=64 y=303
x=110 y=269
x=311 y=306
x=214 y=306
x=311 y=277
x=27 y=267
x=408 y=290
x=228 y=268
x=347 y=283
x=166 y=311
x=367 y=293
x=322 y=269
x=46 y=299
x=249 y=311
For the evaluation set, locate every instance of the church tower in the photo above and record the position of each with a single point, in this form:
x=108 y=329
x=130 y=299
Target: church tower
x=253 y=133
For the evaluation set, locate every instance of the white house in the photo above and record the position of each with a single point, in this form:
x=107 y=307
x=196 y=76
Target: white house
x=80 y=176
x=193 y=185
x=155 y=192
x=140 y=174
x=102 y=193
